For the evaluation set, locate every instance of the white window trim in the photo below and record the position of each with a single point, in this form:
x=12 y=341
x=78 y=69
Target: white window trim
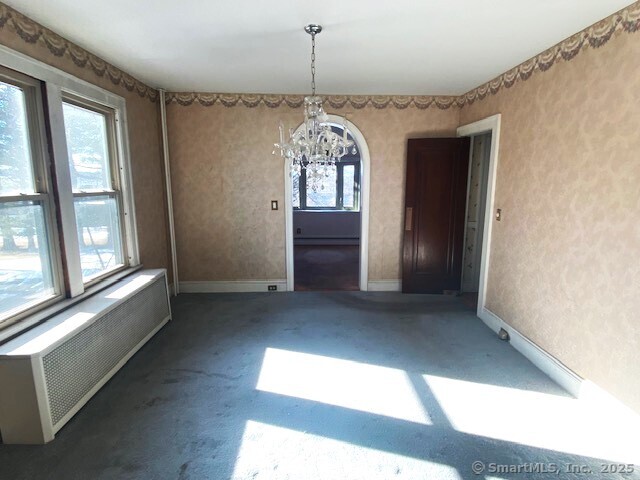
x=57 y=84
x=44 y=193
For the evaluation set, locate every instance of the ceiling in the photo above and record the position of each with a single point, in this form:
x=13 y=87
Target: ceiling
x=403 y=47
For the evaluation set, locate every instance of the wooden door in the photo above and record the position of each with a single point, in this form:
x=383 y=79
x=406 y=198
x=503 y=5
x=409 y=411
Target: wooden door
x=436 y=187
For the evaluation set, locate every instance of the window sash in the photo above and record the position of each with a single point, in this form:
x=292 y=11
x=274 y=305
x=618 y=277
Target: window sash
x=114 y=180
x=27 y=308
x=35 y=127
x=113 y=194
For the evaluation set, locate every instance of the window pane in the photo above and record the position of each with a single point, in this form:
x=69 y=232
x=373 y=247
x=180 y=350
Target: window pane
x=88 y=148
x=321 y=187
x=25 y=265
x=16 y=172
x=98 y=235
x=348 y=186
x=295 y=177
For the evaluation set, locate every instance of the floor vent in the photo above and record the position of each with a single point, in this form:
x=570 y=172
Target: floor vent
x=50 y=372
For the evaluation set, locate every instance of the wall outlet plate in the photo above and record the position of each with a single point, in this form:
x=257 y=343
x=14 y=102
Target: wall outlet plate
x=272 y=288
x=274 y=204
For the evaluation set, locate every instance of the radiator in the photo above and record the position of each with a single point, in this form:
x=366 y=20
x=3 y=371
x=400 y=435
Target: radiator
x=48 y=373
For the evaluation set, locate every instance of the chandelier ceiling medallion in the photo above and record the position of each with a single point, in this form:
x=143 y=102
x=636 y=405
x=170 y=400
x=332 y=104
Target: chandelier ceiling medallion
x=315 y=147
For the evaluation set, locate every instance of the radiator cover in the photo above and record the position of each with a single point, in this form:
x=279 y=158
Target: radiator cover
x=50 y=372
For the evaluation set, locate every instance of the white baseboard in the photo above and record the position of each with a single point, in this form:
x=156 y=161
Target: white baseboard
x=385 y=285
x=546 y=362
x=573 y=383
x=232 y=286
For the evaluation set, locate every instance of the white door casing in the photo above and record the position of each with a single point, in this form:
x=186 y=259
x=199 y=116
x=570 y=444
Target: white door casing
x=486 y=125
x=365 y=176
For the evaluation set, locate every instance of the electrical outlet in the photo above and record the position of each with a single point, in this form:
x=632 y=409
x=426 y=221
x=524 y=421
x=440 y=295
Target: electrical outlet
x=272 y=288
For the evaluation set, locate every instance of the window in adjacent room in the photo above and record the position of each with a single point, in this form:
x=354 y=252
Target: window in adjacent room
x=332 y=188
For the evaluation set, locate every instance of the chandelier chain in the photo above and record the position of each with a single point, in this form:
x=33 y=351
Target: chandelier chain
x=313 y=63
x=315 y=147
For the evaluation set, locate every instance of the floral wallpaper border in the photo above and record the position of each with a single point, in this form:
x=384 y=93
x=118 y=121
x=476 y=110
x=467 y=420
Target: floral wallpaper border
x=294 y=101
x=32 y=32
x=626 y=20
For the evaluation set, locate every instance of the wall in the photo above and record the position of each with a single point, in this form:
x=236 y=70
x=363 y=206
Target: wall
x=28 y=37
x=224 y=177
x=326 y=228
x=564 y=263
x=564 y=266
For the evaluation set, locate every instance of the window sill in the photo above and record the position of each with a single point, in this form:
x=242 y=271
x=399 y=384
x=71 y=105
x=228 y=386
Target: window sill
x=39 y=317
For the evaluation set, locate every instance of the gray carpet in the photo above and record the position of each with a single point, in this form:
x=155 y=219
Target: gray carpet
x=325 y=386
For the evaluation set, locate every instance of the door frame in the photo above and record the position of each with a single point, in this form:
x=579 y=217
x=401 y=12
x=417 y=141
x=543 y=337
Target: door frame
x=365 y=176
x=486 y=125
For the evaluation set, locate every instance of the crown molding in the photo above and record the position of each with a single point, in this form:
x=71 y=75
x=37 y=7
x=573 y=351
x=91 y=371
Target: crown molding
x=32 y=32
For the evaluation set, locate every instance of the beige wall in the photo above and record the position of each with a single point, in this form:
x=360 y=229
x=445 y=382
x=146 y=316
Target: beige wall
x=25 y=36
x=564 y=263
x=224 y=177
x=565 y=268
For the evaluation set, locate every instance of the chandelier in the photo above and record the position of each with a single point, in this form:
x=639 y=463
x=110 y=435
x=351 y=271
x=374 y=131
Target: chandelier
x=315 y=146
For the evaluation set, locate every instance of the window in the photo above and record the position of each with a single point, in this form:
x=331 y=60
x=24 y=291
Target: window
x=55 y=243
x=322 y=188
x=28 y=273
x=89 y=134
x=335 y=188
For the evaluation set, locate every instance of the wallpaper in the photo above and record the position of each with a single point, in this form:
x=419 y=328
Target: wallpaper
x=564 y=264
x=28 y=37
x=224 y=177
x=595 y=36
x=32 y=32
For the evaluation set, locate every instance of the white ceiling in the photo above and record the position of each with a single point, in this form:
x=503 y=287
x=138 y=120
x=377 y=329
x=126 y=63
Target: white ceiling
x=413 y=47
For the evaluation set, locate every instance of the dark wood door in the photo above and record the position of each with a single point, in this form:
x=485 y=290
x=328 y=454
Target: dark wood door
x=435 y=201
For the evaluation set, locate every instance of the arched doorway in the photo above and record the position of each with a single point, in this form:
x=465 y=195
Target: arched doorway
x=365 y=160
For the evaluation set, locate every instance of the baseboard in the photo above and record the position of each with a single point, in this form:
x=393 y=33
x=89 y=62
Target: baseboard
x=546 y=362
x=232 y=286
x=580 y=388
x=385 y=285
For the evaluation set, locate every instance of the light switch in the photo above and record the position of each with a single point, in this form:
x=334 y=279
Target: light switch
x=274 y=204
x=498 y=214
